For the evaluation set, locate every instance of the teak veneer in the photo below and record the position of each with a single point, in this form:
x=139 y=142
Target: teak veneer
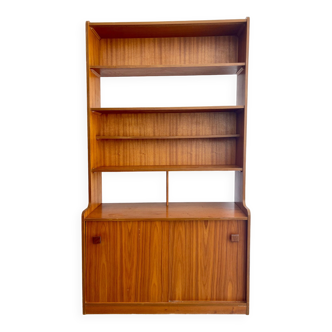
x=174 y=70
x=199 y=109
x=167 y=257
x=165 y=137
x=174 y=211
x=160 y=168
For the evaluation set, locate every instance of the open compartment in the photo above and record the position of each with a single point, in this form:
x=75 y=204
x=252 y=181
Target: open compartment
x=165 y=44
x=147 y=138
x=166 y=49
x=158 y=92
x=170 y=139
x=133 y=187
x=213 y=186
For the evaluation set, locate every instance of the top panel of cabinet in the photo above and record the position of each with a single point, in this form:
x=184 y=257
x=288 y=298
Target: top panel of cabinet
x=169 y=29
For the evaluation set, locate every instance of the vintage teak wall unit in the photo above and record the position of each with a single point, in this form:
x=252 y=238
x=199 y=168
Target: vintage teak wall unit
x=166 y=257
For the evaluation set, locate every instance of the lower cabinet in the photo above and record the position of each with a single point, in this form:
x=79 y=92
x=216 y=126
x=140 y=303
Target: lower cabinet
x=165 y=261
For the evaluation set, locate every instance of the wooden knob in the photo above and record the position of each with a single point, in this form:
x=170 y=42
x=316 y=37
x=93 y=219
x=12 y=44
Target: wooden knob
x=235 y=237
x=96 y=239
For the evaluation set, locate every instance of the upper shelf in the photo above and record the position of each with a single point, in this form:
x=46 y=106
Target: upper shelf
x=199 y=109
x=169 y=29
x=169 y=70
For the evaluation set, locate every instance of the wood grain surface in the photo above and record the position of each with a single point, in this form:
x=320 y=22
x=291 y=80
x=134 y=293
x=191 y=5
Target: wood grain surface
x=174 y=211
x=240 y=140
x=127 y=265
x=93 y=100
x=168 y=70
x=204 y=264
x=159 y=168
x=145 y=261
x=99 y=137
x=154 y=257
x=169 y=124
x=168 y=51
x=242 y=99
x=93 y=47
x=240 y=177
x=167 y=188
x=192 y=109
x=195 y=128
x=167 y=308
x=89 y=209
x=168 y=29
x=95 y=147
x=191 y=152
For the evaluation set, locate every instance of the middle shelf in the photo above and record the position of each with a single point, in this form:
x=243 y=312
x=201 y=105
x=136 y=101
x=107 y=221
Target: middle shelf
x=98 y=137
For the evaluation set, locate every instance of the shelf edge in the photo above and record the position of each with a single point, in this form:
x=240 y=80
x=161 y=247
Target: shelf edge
x=166 y=168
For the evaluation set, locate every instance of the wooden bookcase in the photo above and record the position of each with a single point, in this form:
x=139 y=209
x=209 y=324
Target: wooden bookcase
x=166 y=257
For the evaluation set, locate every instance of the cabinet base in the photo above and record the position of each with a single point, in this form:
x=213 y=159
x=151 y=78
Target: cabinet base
x=167 y=308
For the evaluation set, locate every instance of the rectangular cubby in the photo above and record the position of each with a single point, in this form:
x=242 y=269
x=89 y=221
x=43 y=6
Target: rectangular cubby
x=133 y=187
x=166 y=92
x=168 y=139
x=213 y=186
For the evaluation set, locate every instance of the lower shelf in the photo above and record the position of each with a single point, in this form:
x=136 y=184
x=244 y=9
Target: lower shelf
x=201 y=307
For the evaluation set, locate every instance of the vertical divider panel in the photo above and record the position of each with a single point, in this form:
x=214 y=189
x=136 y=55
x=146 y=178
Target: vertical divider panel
x=167 y=187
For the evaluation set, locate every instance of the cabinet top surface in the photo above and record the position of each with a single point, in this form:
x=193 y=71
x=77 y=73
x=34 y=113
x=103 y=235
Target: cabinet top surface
x=174 y=211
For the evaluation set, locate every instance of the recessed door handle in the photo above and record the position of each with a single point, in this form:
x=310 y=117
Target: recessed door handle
x=235 y=237
x=96 y=239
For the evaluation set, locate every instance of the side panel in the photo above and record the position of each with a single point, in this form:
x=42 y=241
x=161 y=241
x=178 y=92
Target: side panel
x=84 y=214
x=240 y=177
x=93 y=94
